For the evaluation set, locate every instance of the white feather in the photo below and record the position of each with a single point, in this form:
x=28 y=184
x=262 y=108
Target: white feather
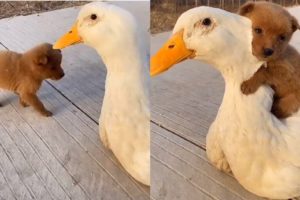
x=262 y=151
x=125 y=115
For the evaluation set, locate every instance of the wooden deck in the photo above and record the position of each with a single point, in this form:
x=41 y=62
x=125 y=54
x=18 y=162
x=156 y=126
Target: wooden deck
x=60 y=157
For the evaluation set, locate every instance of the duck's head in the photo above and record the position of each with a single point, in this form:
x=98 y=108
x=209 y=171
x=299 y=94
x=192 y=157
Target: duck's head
x=209 y=34
x=102 y=26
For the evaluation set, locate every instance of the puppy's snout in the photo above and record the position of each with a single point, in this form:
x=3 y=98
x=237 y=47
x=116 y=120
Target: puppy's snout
x=62 y=75
x=268 y=52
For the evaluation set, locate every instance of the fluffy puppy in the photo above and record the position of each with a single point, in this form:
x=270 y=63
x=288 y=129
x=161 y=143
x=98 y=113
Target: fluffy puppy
x=24 y=73
x=273 y=27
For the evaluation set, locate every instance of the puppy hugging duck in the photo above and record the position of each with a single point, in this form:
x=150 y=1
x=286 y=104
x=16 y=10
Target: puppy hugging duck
x=273 y=28
x=24 y=73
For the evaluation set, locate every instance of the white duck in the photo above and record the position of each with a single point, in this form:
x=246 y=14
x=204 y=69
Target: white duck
x=125 y=115
x=262 y=152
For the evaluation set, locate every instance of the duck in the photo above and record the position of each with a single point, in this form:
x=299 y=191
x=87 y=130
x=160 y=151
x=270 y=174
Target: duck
x=124 y=123
x=245 y=139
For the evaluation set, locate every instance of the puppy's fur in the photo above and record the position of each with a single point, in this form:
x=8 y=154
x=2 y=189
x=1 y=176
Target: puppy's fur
x=273 y=28
x=24 y=73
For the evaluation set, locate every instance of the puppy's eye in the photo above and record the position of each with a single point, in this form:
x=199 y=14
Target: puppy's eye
x=93 y=16
x=281 y=37
x=206 y=22
x=258 y=30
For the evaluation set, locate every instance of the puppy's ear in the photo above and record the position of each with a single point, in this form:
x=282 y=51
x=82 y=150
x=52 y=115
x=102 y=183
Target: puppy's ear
x=246 y=8
x=295 y=24
x=41 y=60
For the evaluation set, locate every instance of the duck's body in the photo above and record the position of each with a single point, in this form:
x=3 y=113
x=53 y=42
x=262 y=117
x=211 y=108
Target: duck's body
x=125 y=115
x=262 y=152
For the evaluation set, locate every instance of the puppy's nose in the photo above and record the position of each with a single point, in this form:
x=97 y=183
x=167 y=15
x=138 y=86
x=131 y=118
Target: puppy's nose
x=268 y=52
x=62 y=75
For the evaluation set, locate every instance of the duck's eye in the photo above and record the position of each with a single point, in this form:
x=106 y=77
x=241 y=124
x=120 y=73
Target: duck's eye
x=282 y=37
x=206 y=22
x=258 y=30
x=93 y=16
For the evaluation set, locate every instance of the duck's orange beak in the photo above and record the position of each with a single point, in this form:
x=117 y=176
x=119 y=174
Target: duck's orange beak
x=70 y=38
x=171 y=53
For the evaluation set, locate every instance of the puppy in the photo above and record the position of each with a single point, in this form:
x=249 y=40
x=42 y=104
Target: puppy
x=24 y=73
x=273 y=28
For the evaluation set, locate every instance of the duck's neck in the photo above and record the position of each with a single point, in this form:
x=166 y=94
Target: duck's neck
x=243 y=67
x=123 y=62
x=242 y=109
x=127 y=75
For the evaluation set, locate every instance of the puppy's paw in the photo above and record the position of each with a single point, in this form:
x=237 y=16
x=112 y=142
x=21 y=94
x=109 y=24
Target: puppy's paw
x=276 y=112
x=279 y=113
x=23 y=104
x=247 y=88
x=46 y=113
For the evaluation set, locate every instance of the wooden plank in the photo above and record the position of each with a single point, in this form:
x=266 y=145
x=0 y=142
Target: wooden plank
x=71 y=148
x=27 y=174
x=295 y=41
x=2 y=48
x=33 y=158
x=183 y=172
x=170 y=186
x=5 y=190
x=11 y=118
x=11 y=176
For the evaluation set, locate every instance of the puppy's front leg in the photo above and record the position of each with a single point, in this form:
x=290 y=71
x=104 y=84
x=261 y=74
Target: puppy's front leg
x=33 y=100
x=285 y=107
x=251 y=85
x=22 y=102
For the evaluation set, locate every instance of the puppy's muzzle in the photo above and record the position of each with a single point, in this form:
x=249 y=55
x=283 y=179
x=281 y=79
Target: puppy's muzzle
x=268 y=52
x=62 y=75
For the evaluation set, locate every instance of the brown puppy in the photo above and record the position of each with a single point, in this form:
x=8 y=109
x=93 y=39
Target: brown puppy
x=24 y=73
x=273 y=28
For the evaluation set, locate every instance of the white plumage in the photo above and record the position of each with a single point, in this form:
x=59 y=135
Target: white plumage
x=262 y=152
x=125 y=115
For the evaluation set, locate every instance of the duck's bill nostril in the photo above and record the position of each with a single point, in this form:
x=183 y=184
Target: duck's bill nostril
x=172 y=52
x=70 y=38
